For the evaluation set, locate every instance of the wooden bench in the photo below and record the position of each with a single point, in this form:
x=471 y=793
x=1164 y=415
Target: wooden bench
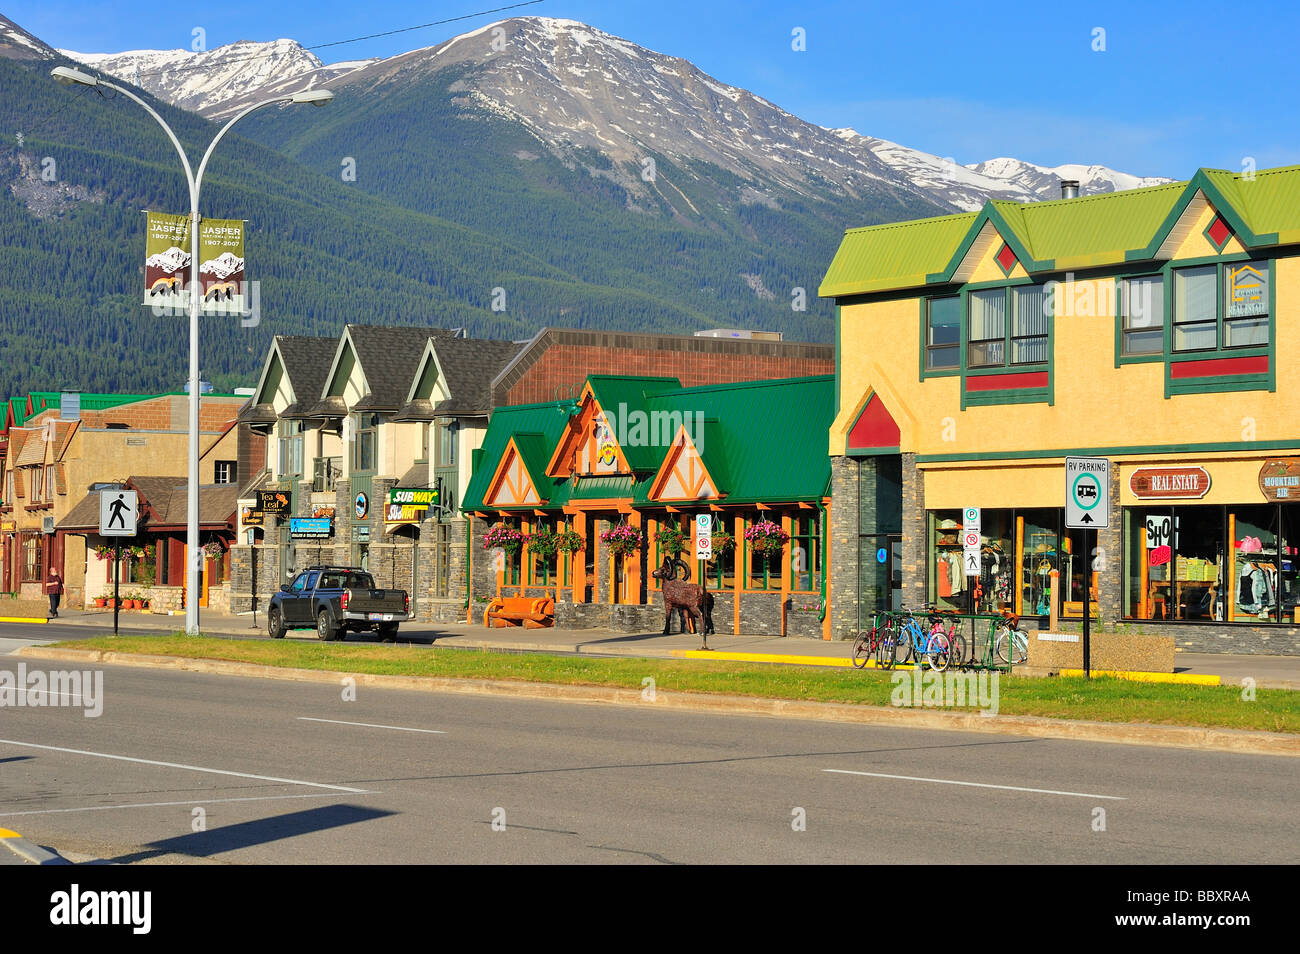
x=531 y=612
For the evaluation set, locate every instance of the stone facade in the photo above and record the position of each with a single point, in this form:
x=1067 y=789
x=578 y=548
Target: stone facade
x=843 y=566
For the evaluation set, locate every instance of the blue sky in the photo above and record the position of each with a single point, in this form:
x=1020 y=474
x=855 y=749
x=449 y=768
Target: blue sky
x=1178 y=85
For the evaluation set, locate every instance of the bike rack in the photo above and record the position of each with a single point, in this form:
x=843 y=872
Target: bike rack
x=980 y=647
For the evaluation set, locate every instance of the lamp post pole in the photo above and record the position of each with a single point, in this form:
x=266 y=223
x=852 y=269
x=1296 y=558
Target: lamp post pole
x=194 y=555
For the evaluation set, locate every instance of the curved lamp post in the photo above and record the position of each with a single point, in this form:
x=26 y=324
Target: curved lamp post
x=317 y=97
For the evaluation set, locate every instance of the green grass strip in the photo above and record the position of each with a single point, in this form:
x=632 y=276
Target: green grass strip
x=1102 y=699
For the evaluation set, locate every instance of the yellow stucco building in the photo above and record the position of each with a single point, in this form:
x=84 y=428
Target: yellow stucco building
x=1158 y=328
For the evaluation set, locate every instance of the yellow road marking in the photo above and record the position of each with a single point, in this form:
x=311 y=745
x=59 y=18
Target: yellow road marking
x=23 y=619
x=1187 y=678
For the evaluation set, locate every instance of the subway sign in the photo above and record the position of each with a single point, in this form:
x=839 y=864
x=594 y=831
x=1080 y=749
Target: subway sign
x=409 y=504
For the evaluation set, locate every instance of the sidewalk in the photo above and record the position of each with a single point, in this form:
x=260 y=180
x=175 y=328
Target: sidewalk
x=1269 y=672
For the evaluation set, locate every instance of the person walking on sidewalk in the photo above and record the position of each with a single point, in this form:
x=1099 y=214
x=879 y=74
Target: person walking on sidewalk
x=54 y=589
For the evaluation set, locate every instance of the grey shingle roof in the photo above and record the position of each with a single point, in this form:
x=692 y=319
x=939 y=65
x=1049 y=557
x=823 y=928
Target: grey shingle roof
x=470 y=364
x=167 y=500
x=389 y=357
x=306 y=361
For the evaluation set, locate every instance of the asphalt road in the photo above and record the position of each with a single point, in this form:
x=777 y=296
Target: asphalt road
x=292 y=773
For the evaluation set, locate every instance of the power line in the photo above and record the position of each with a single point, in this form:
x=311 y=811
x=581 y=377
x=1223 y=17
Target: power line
x=356 y=39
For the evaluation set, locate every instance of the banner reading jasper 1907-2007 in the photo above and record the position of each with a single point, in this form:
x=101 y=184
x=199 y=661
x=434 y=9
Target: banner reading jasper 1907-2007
x=167 y=262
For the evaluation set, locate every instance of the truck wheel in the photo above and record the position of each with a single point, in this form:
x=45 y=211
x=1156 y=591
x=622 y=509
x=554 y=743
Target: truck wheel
x=275 y=624
x=325 y=626
x=387 y=630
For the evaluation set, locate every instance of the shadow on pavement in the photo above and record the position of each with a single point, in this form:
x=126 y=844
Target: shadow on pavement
x=258 y=832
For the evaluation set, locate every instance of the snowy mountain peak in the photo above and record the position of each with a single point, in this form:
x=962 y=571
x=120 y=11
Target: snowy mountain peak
x=17 y=44
x=1045 y=181
x=213 y=82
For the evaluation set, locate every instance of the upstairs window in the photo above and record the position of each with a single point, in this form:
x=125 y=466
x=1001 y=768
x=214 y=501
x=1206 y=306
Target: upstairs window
x=1142 y=304
x=1196 y=308
x=290 y=449
x=943 y=333
x=1008 y=326
x=366 y=442
x=224 y=472
x=1221 y=306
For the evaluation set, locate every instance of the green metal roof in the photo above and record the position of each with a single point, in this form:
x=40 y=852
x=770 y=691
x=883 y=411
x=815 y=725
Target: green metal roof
x=769 y=441
x=619 y=394
x=1089 y=231
x=540 y=426
x=899 y=255
x=762 y=441
x=44 y=400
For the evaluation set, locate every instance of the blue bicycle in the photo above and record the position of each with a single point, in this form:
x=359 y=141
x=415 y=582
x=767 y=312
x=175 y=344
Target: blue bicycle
x=909 y=639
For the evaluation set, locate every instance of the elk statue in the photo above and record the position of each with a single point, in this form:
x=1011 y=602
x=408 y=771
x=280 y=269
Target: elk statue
x=688 y=598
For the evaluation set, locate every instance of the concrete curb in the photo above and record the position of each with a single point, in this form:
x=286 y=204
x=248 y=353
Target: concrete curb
x=23 y=619
x=24 y=848
x=1186 y=737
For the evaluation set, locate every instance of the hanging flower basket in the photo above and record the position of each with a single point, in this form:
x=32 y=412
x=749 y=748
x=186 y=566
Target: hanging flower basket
x=723 y=542
x=501 y=537
x=767 y=538
x=622 y=539
x=671 y=540
x=544 y=543
x=214 y=549
x=569 y=541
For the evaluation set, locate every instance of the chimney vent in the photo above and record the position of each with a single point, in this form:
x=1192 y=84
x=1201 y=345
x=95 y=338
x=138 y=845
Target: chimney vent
x=1069 y=189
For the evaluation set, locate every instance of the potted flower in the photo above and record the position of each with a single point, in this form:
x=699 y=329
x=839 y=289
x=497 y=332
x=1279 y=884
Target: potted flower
x=501 y=537
x=622 y=539
x=767 y=538
x=100 y=601
x=213 y=549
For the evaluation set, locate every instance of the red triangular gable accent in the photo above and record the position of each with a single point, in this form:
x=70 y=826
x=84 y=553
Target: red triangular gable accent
x=875 y=428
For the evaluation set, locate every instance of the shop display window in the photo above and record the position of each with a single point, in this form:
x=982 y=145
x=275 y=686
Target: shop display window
x=949 y=587
x=1176 y=562
x=1039 y=556
x=1255 y=583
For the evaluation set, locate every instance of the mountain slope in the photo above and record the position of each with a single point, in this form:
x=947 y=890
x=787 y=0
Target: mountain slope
x=214 y=83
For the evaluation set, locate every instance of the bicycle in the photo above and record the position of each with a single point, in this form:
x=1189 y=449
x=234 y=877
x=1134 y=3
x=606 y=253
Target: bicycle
x=1011 y=644
x=868 y=642
x=956 y=643
x=913 y=642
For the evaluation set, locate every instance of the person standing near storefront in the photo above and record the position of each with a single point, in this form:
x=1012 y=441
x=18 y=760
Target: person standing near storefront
x=54 y=589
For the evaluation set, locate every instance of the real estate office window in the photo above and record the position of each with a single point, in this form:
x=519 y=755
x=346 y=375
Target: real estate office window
x=1221 y=306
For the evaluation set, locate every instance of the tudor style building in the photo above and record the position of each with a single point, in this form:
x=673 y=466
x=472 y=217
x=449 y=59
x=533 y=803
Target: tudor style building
x=1158 y=327
x=649 y=454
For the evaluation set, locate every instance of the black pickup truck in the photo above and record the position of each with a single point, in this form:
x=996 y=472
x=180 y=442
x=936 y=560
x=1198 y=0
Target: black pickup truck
x=333 y=600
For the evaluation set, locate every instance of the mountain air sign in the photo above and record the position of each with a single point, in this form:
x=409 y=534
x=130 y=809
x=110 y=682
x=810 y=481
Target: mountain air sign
x=167 y=263
x=409 y=504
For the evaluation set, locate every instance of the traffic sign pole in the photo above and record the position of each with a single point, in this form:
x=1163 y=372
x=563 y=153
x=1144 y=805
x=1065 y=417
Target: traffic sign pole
x=1087 y=608
x=117 y=579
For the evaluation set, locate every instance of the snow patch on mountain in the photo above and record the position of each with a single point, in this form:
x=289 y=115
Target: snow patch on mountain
x=215 y=83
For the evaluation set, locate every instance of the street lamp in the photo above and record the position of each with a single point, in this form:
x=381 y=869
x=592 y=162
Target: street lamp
x=317 y=97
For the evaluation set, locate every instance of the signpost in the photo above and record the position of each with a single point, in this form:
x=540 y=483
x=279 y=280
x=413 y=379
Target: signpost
x=119 y=516
x=970 y=552
x=703 y=537
x=1087 y=507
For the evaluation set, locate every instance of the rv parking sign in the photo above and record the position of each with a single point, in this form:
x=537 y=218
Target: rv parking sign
x=1087 y=492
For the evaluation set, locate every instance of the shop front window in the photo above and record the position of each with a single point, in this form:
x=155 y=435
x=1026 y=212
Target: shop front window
x=805 y=555
x=720 y=569
x=543 y=570
x=1261 y=571
x=1175 y=566
x=763 y=568
x=1015 y=546
x=33 y=554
